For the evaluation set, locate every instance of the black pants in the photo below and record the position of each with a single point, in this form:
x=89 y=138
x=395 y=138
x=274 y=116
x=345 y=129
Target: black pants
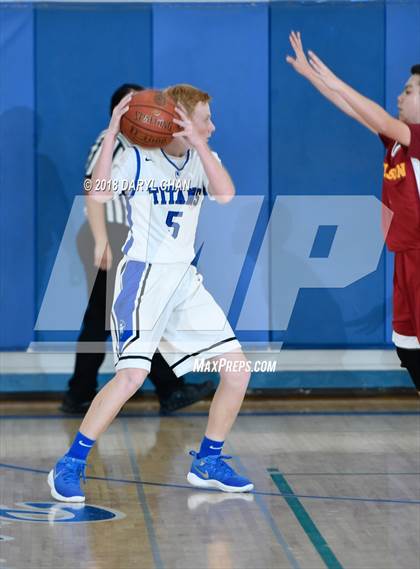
x=95 y=327
x=410 y=359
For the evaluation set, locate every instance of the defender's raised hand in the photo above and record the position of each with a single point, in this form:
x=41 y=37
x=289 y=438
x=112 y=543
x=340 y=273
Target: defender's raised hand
x=300 y=62
x=323 y=72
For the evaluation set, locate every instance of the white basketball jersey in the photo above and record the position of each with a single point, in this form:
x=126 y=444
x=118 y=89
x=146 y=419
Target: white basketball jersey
x=164 y=198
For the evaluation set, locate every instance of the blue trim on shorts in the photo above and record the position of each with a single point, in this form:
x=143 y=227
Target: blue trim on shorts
x=128 y=244
x=126 y=303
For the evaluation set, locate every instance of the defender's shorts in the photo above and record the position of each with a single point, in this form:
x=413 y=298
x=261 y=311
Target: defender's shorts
x=166 y=306
x=406 y=318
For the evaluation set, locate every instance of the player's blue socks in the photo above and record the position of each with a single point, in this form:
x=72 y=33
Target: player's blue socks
x=81 y=447
x=210 y=448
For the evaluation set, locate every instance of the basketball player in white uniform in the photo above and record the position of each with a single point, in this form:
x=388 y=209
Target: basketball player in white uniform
x=99 y=243
x=160 y=300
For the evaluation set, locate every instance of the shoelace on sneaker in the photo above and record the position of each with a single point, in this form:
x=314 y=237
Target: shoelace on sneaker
x=221 y=465
x=217 y=461
x=74 y=471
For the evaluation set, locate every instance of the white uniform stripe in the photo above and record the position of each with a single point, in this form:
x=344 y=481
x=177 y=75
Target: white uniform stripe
x=119 y=214
x=407 y=342
x=109 y=212
x=416 y=167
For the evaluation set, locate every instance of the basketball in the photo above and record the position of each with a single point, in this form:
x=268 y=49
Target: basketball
x=149 y=119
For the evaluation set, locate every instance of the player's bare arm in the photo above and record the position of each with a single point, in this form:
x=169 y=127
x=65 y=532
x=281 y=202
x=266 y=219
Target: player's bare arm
x=103 y=166
x=221 y=185
x=301 y=65
x=102 y=256
x=374 y=115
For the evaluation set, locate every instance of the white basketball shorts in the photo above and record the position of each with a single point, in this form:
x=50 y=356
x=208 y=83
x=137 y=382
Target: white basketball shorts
x=166 y=306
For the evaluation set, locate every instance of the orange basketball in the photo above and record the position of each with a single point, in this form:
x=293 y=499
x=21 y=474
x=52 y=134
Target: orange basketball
x=149 y=119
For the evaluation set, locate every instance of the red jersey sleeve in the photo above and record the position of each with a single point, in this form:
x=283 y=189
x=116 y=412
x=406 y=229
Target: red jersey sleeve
x=414 y=148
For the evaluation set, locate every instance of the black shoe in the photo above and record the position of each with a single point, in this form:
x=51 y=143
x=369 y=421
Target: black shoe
x=187 y=394
x=74 y=406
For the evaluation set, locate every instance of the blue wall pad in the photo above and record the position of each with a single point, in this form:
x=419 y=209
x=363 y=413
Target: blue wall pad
x=60 y=62
x=74 y=84
x=17 y=176
x=223 y=49
x=317 y=150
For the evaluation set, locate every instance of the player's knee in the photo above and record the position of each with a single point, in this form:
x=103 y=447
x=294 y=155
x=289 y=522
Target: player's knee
x=244 y=379
x=236 y=371
x=238 y=380
x=131 y=379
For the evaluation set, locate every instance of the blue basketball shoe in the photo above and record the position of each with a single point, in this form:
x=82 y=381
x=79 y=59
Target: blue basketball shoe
x=213 y=472
x=64 y=480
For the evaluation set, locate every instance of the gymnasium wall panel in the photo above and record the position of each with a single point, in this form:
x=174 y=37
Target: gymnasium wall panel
x=223 y=49
x=17 y=176
x=83 y=53
x=318 y=151
x=59 y=64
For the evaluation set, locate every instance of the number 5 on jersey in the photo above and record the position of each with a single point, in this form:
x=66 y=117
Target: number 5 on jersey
x=173 y=224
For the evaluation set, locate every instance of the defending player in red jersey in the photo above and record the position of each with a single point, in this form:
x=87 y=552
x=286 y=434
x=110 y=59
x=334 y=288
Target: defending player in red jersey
x=401 y=187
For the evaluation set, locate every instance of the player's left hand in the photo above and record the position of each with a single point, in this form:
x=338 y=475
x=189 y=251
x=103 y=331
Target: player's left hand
x=323 y=72
x=189 y=133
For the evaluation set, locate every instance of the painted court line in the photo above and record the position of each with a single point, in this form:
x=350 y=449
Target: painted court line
x=351 y=473
x=142 y=498
x=281 y=540
x=308 y=526
x=255 y=492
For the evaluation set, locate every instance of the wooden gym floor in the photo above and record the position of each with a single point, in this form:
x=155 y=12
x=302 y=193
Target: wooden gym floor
x=337 y=485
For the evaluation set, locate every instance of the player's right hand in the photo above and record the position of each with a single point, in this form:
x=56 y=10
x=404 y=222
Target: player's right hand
x=324 y=73
x=300 y=62
x=117 y=113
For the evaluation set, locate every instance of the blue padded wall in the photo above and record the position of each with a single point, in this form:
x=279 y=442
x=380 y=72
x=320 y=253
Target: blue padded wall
x=223 y=49
x=83 y=53
x=317 y=150
x=17 y=176
x=59 y=63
